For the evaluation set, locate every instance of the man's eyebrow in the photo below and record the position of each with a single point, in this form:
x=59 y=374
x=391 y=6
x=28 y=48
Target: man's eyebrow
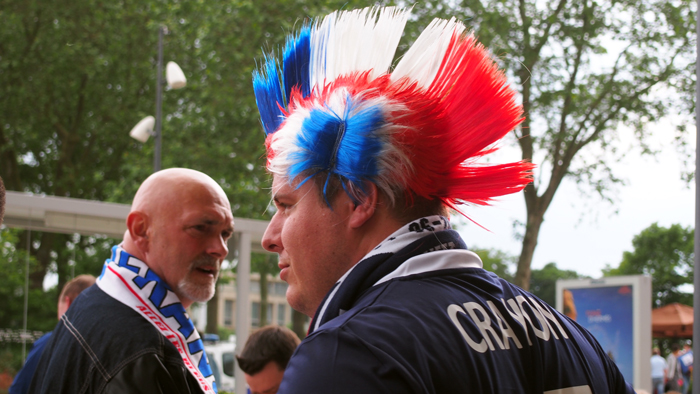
x=214 y=222
x=277 y=196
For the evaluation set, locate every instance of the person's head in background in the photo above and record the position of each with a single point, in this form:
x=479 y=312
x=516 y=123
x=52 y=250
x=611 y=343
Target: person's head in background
x=71 y=290
x=675 y=348
x=2 y=200
x=265 y=357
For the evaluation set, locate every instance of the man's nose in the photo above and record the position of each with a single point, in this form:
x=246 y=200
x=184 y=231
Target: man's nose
x=271 y=241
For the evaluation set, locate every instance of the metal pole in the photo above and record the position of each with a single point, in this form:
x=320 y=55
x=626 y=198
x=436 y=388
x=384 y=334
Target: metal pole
x=696 y=276
x=159 y=100
x=242 y=303
x=26 y=296
x=72 y=266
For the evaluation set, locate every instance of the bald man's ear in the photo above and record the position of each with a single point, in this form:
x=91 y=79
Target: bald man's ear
x=367 y=207
x=137 y=227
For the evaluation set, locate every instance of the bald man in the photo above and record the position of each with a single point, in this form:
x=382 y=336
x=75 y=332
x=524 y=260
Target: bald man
x=130 y=333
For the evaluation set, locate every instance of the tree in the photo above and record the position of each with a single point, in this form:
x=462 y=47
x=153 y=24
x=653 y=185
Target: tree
x=667 y=255
x=543 y=282
x=264 y=264
x=41 y=307
x=75 y=77
x=574 y=100
x=497 y=261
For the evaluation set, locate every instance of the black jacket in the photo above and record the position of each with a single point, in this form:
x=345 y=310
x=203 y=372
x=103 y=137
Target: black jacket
x=428 y=320
x=102 y=346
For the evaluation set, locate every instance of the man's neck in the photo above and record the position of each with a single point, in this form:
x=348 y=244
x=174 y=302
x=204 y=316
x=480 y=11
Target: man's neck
x=375 y=231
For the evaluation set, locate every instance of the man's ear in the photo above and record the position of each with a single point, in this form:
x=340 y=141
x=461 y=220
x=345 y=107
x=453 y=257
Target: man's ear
x=137 y=226
x=367 y=207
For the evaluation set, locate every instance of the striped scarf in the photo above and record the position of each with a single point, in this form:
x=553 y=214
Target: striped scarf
x=129 y=280
x=396 y=256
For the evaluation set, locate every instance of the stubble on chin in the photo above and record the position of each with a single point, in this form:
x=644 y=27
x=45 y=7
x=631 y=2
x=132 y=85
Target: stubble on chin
x=187 y=288
x=195 y=292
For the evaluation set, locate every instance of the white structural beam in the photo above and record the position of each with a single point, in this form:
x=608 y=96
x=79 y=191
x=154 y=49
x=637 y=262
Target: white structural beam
x=87 y=217
x=242 y=304
x=65 y=215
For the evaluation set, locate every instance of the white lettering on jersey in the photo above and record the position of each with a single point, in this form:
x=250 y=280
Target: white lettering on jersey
x=505 y=328
x=521 y=309
x=483 y=324
x=452 y=311
x=571 y=390
x=517 y=314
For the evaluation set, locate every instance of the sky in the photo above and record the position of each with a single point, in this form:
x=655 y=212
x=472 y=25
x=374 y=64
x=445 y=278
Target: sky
x=585 y=234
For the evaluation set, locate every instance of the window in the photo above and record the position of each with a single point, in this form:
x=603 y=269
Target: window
x=214 y=367
x=255 y=314
x=255 y=287
x=228 y=363
x=281 y=311
x=281 y=288
x=228 y=313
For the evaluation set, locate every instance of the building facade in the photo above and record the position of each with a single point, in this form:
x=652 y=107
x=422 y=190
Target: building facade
x=278 y=310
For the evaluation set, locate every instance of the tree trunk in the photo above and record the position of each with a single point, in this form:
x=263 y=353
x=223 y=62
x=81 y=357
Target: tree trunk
x=213 y=313
x=298 y=320
x=532 y=232
x=263 y=291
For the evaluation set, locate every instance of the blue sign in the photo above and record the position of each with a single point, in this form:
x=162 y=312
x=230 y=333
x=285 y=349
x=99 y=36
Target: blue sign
x=607 y=313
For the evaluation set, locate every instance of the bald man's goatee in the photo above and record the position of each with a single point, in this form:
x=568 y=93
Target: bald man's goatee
x=197 y=291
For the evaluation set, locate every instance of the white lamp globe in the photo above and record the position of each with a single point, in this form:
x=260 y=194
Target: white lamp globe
x=143 y=129
x=174 y=75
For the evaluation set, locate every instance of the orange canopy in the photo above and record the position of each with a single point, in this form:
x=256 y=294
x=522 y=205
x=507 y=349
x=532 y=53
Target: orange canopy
x=672 y=321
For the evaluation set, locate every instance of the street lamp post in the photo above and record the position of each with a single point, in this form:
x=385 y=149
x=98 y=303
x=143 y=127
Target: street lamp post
x=152 y=126
x=159 y=101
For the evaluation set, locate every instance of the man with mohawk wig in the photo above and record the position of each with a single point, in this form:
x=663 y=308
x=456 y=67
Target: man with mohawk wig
x=366 y=163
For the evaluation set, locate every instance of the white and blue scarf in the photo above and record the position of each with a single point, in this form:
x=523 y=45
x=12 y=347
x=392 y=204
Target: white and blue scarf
x=129 y=280
x=424 y=245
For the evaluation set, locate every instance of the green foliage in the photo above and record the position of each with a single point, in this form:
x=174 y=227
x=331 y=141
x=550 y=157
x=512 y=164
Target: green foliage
x=497 y=261
x=41 y=306
x=543 y=282
x=225 y=333
x=75 y=77
x=667 y=255
x=583 y=69
x=264 y=263
x=11 y=357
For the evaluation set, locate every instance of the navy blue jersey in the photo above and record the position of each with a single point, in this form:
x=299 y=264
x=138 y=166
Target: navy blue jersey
x=440 y=324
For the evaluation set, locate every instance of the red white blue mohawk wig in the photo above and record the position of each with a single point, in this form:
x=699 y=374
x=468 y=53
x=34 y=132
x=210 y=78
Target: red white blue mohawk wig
x=333 y=108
